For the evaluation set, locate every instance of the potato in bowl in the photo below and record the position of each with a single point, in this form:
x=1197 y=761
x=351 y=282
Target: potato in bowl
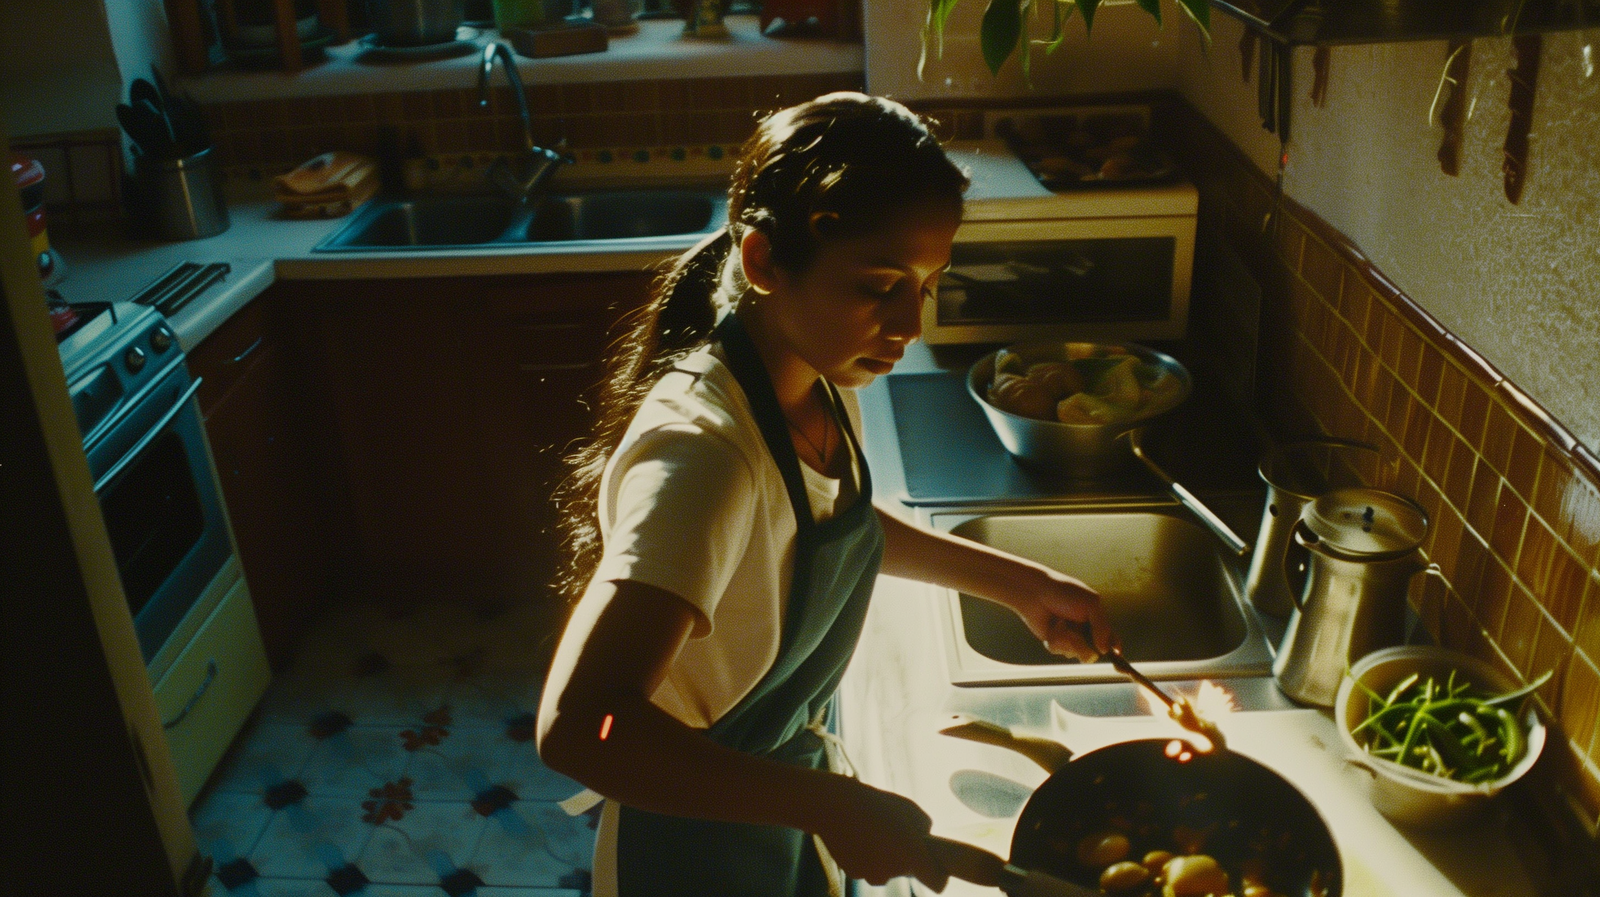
x=1087 y=384
x=1060 y=407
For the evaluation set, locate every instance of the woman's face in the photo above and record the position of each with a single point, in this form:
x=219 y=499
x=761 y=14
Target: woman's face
x=850 y=315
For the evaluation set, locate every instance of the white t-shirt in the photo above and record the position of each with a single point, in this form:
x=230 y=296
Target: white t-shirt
x=693 y=503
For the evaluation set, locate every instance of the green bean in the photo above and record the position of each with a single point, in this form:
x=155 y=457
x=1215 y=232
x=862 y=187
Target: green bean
x=1446 y=727
x=1510 y=733
x=1400 y=689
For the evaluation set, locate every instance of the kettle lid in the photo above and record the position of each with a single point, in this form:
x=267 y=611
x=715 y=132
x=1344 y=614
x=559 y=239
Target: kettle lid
x=1360 y=521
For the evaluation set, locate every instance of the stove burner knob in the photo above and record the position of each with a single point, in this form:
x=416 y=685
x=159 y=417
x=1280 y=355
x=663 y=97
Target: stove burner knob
x=134 y=359
x=160 y=339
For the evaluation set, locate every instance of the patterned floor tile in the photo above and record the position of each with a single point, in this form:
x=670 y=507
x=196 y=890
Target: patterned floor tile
x=351 y=763
x=379 y=691
x=227 y=826
x=515 y=850
x=518 y=766
x=395 y=756
x=459 y=766
x=410 y=850
x=492 y=696
x=266 y=754
x=301 y=837
x=298 y=887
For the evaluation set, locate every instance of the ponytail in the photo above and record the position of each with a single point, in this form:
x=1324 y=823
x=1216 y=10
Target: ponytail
x=677 y=320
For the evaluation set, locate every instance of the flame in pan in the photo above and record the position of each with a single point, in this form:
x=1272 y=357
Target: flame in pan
x=1195 y=712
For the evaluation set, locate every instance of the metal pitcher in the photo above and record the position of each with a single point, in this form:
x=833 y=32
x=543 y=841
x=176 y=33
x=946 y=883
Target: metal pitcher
x=1349 y=562
x=1295 y=474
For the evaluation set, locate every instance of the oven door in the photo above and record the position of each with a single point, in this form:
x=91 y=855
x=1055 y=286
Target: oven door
x=1081 y=279
x=152 y=473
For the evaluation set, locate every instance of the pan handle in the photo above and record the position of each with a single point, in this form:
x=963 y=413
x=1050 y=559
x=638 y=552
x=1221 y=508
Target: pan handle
x=1188 y=499
x=1051 y=755
x=979 y=866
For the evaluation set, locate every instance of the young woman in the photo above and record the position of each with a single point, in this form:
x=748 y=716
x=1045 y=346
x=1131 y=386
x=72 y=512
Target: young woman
x=724 y=537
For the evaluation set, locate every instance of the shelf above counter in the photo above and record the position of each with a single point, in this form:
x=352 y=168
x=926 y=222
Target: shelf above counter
x=1315 y=22
x=657 y=51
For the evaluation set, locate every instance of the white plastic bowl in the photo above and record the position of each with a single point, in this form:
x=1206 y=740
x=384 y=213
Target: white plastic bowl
x=1410 y=796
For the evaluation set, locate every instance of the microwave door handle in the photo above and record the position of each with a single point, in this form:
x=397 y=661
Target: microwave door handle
x=149 y=437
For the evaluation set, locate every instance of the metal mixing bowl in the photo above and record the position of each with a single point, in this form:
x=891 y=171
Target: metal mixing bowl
x=1079 y=451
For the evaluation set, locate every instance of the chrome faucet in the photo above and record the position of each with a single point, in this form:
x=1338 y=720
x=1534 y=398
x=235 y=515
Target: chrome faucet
x=535 y=164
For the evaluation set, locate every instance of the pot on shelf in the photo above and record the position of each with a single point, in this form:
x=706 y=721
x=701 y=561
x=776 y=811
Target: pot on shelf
x=415 y=23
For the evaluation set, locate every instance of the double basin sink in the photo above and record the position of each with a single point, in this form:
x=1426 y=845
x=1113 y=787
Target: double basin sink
x=559 y=220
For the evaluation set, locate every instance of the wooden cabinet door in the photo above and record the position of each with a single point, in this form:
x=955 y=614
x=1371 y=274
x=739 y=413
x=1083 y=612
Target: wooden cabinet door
x=453 y=400
x=260 y=442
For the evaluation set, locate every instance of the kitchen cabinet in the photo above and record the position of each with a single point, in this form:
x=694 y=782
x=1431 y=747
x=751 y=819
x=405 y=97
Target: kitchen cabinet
x=262 y=442
x=452 y=401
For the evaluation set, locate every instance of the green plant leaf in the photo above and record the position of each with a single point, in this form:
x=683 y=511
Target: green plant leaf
x=939 y=14
x=1199 y=11
x=1000 y=32
x=1153 y=7
x=1058 y=28
x=1088 y=7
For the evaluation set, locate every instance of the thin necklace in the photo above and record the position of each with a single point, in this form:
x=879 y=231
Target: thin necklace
x=822 y=454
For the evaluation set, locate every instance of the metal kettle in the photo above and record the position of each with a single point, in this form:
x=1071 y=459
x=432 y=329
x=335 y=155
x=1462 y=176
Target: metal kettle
x=1349 y=563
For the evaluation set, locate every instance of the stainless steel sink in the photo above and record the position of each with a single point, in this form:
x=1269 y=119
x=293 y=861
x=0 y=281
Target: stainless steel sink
x=625 y=219
x=1173 y=593
x=623 y=215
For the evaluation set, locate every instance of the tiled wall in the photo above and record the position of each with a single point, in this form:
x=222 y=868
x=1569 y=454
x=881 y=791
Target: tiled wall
x=82 y=174
x=1513 y=498
x=621 y=115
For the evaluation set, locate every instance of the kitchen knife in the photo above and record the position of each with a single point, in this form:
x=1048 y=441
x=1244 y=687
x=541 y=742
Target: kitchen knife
x=979 y=866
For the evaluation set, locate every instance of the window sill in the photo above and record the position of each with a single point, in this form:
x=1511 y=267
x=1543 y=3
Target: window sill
x=657 y=52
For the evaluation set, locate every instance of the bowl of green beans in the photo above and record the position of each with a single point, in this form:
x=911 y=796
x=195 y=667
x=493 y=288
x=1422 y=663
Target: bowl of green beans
x=1440 y=732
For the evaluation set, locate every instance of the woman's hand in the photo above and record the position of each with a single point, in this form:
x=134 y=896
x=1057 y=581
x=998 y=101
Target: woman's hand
x=1065 y=615
x=877 y=835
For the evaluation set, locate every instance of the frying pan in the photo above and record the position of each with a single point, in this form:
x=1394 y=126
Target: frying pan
x=1151 y=789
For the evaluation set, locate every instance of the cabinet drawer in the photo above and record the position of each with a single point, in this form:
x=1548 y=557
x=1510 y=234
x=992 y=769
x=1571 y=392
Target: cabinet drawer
x=223 y=357
x=211 y=689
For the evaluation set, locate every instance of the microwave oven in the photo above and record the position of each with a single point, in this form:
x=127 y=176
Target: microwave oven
x=1104 y=264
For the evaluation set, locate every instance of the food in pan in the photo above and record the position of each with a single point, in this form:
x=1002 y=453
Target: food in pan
x=1096 y=384
x=1446 y=726
x=1134 y=850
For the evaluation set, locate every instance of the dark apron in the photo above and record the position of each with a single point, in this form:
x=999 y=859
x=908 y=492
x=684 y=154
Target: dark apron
x=835 y=565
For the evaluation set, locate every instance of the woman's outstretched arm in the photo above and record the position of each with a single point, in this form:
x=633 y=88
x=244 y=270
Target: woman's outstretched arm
x=1054 y=606
x=598 y=726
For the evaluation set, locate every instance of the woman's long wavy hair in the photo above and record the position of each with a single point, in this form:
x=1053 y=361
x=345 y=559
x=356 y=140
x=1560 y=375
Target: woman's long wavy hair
x=834 y=167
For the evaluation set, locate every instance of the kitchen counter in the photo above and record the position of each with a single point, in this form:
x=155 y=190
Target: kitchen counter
x=103 y=264
x=897 y=695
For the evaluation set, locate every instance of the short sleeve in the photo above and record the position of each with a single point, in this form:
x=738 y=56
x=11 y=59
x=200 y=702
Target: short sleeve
x=682 y=501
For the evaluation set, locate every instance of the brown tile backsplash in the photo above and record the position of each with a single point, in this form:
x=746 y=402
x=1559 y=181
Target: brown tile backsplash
x=274 y=135
x=1514 y=499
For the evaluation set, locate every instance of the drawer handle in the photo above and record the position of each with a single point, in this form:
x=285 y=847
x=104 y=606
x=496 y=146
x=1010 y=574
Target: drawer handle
x=246 y=353
x=211 y=675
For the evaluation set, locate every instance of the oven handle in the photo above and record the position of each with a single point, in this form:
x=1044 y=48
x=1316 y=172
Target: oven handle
x=211 y=675
x=149 y=437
